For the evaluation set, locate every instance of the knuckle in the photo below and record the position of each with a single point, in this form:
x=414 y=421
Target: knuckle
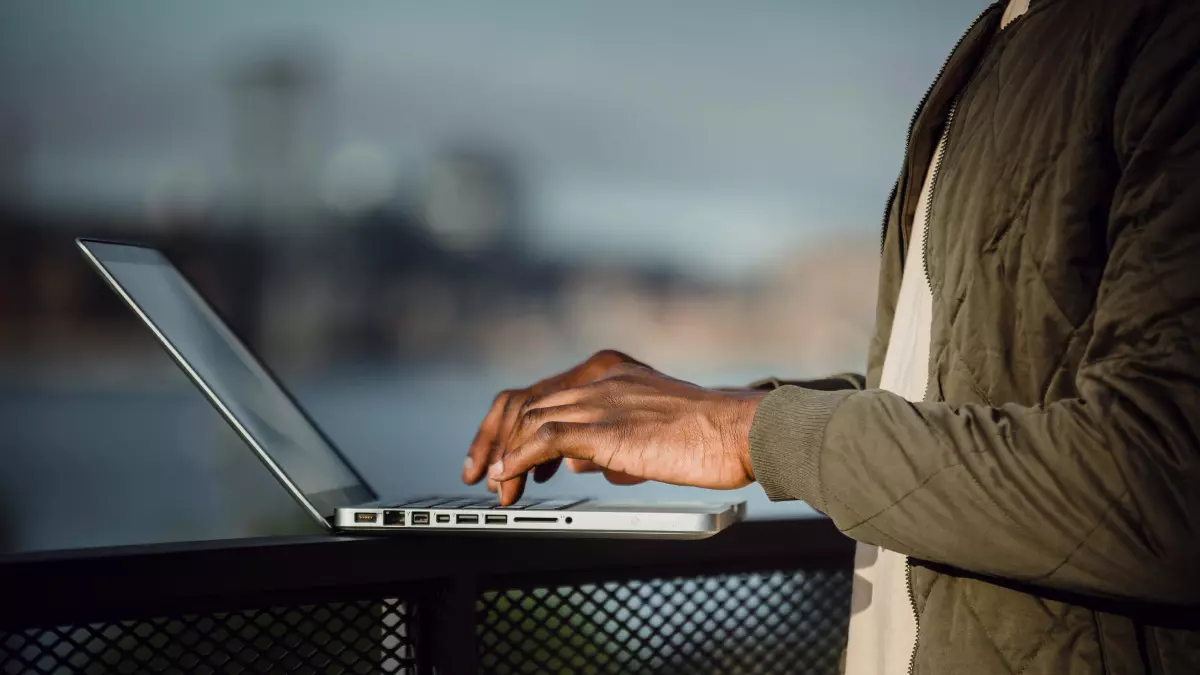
x=550 y=431
x=610 y=355
x=530 y=419
x=604 y=361
x=516 y=401
x=629 y=371
x=529 y=403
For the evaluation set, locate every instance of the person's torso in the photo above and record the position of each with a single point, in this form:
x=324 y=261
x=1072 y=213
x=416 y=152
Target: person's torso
x=883 y=629
x=1015 y=246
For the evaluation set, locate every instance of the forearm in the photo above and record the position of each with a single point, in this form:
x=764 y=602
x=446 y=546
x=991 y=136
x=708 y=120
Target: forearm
x=1064 y=496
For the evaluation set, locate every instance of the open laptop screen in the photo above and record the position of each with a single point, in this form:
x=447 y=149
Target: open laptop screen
x=245 y=393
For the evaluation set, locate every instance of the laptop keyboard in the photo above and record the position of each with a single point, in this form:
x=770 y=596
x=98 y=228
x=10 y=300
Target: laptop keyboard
x=461 y=503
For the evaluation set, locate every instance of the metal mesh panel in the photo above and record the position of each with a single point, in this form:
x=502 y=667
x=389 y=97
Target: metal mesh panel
x=370 y=636
x=781 y=622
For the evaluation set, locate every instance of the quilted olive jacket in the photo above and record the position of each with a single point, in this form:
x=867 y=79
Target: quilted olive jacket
x=1047 y=489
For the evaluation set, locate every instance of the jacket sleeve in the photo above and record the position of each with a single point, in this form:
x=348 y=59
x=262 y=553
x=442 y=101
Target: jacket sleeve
x=1097 y=494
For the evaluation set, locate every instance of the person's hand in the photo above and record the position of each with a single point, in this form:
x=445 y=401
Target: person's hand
x=494 y=433
x=640 y=423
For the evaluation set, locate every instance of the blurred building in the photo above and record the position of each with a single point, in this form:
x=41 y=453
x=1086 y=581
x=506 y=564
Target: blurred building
x=279 y=125
x=471 y=202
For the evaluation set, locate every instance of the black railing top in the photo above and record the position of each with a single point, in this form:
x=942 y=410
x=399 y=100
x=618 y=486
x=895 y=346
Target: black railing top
x=86 y=584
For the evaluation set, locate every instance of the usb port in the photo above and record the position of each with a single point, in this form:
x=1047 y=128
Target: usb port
x=393 y=517
x=466 y=519
x=420 y=517
x=443 y=517
x=495 y=520
x=365 y=517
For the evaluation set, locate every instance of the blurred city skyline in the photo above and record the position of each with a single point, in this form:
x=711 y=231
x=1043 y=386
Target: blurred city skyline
x=706 y=134
x=407 y=206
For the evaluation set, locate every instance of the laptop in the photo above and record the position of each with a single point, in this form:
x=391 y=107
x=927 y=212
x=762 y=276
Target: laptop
x=311 y=468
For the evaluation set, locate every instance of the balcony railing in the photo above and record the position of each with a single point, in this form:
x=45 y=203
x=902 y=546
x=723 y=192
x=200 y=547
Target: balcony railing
x=767 y=596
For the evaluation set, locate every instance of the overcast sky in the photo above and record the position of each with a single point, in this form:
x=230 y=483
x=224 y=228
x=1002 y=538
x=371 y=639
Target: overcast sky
x=713 y=132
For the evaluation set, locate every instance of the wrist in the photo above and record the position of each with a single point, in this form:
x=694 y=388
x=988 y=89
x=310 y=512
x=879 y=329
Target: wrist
x=742 y=406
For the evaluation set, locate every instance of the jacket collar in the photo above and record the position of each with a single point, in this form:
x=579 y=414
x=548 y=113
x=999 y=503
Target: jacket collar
x=931 y=118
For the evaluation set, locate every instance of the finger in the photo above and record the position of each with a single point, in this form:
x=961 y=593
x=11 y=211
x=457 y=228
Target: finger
x=476 y=464
x=595 y=367
x=558 y=399
x=532 y=420
x=564 y=380
x=511 y=490
x=497 y=452
x=552 y=441
x=510 y=415
x=583 y=466
x=621 y=478
x=544 y=472
x=509 y=418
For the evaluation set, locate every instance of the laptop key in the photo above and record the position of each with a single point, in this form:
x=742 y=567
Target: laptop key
x=517 y=506
x=467 y=503
x=454 y=504
x=555 y=504
x=493 y=504
x=422 y=503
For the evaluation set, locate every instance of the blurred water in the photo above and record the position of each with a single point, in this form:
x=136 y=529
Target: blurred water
x=105 y=466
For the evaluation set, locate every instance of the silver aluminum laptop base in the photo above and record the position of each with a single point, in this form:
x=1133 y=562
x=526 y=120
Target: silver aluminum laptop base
x=588 y=518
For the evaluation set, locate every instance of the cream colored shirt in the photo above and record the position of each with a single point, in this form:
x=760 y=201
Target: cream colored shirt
x=883 y=628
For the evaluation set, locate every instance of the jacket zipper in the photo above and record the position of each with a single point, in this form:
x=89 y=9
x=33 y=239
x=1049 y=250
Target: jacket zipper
x=912 y=121
x=935 y=169
x=912 y=601
x=912 y=598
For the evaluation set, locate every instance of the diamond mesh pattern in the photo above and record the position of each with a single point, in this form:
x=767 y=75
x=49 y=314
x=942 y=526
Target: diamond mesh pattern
x=371 y=636
x=781 y=622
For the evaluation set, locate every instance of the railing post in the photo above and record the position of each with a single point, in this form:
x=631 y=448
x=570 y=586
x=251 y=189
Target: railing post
x=446 y=643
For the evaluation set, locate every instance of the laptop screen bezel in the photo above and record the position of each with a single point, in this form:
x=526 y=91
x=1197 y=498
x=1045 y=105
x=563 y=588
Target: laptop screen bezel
x=99 y=252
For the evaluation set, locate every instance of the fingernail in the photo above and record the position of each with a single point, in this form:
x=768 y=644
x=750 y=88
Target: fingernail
x=497 y=469
x=468 y=464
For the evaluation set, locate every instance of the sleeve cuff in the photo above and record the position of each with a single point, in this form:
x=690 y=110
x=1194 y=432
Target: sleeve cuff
x=785 y=442
x=767 y=384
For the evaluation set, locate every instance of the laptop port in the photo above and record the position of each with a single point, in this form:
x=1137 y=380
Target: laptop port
x=443 y=517
x=420 y=517
x=466 y=519
x=529 y=519
x=365 y=517
x=393 y=517
x=495 y=520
